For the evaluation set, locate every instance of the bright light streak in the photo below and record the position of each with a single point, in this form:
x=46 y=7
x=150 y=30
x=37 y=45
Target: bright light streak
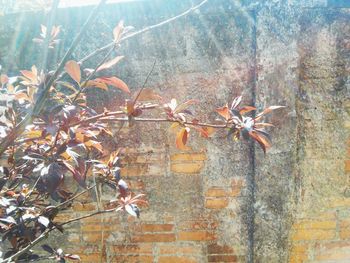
x=72 y=3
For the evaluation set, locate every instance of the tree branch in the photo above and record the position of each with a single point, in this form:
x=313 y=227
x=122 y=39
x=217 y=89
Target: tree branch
x=45 y=234
x=74 y=197
x=40 y=102
x=47 y=39
x=201 y=124
x=102 y=49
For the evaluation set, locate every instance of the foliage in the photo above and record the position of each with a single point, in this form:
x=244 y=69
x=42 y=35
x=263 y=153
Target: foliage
x=62 y=137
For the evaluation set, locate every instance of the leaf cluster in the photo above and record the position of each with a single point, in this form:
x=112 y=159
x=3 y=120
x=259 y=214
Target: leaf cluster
x=62 y=141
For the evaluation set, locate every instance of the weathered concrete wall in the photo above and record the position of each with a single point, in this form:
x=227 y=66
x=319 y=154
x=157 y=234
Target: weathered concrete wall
x=294 y=54
x=320 y=232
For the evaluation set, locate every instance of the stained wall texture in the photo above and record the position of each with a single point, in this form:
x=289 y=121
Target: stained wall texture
x=218 y=202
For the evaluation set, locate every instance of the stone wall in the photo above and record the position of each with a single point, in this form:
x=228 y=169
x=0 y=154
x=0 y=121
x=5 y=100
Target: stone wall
x=293 y=53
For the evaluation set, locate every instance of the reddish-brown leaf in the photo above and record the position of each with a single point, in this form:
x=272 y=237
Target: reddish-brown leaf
x=110 y=63
x=261 y=139
x=181 y=139
x=224 y=112
x=118 y=31
x=55 y=31
x=210 y=130
x=94 y=144
x=23 y=96
x=246 y=109
x=97 y=84
x=72 y=257
x=29 y=75
x=185 y=105
x=268 y=110
x=73 y=69
x=115 y=82
x=203 y=132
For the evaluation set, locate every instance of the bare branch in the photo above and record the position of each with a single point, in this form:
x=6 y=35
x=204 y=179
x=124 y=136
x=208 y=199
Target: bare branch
x=47 y=39
x=218 y=126
x=45 y=234
x=75 y=197
x=146 y=29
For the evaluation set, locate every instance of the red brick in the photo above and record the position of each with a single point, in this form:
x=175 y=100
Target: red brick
x=217 y=203
x=313 y=234
x=223 y=258
x=131 y=259
x=196 y=236
x=216 y=249
x=216 y=192
x=176 y=259
x=338 y=255
x=81 y=248
x=187 y=168
x=322 y=246
x=133 y=249
x=313 y=224
x=298 y=253
x=93 y=258
x=157 y=228
x=347 y=166
x=154 y=238
x=138 y=158
x=63 y=217
x=344 y=233
x=79 y=207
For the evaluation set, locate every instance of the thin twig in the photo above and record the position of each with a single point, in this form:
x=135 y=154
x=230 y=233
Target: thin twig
x=102 y=49
x=25 y=140
x=74 y=197
x=87 y=216
x=202 y=124
x=33 y=188
x=47 y=231
x=144 y=83
x=43 y=95
x=49 y=27
x=138 y=95
x=83 y=87
x=108 y=114
x=29 y=246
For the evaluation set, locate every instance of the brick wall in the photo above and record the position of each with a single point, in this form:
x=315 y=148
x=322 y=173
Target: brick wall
x=320 y=232
x=299 y=57
x=163 y=234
